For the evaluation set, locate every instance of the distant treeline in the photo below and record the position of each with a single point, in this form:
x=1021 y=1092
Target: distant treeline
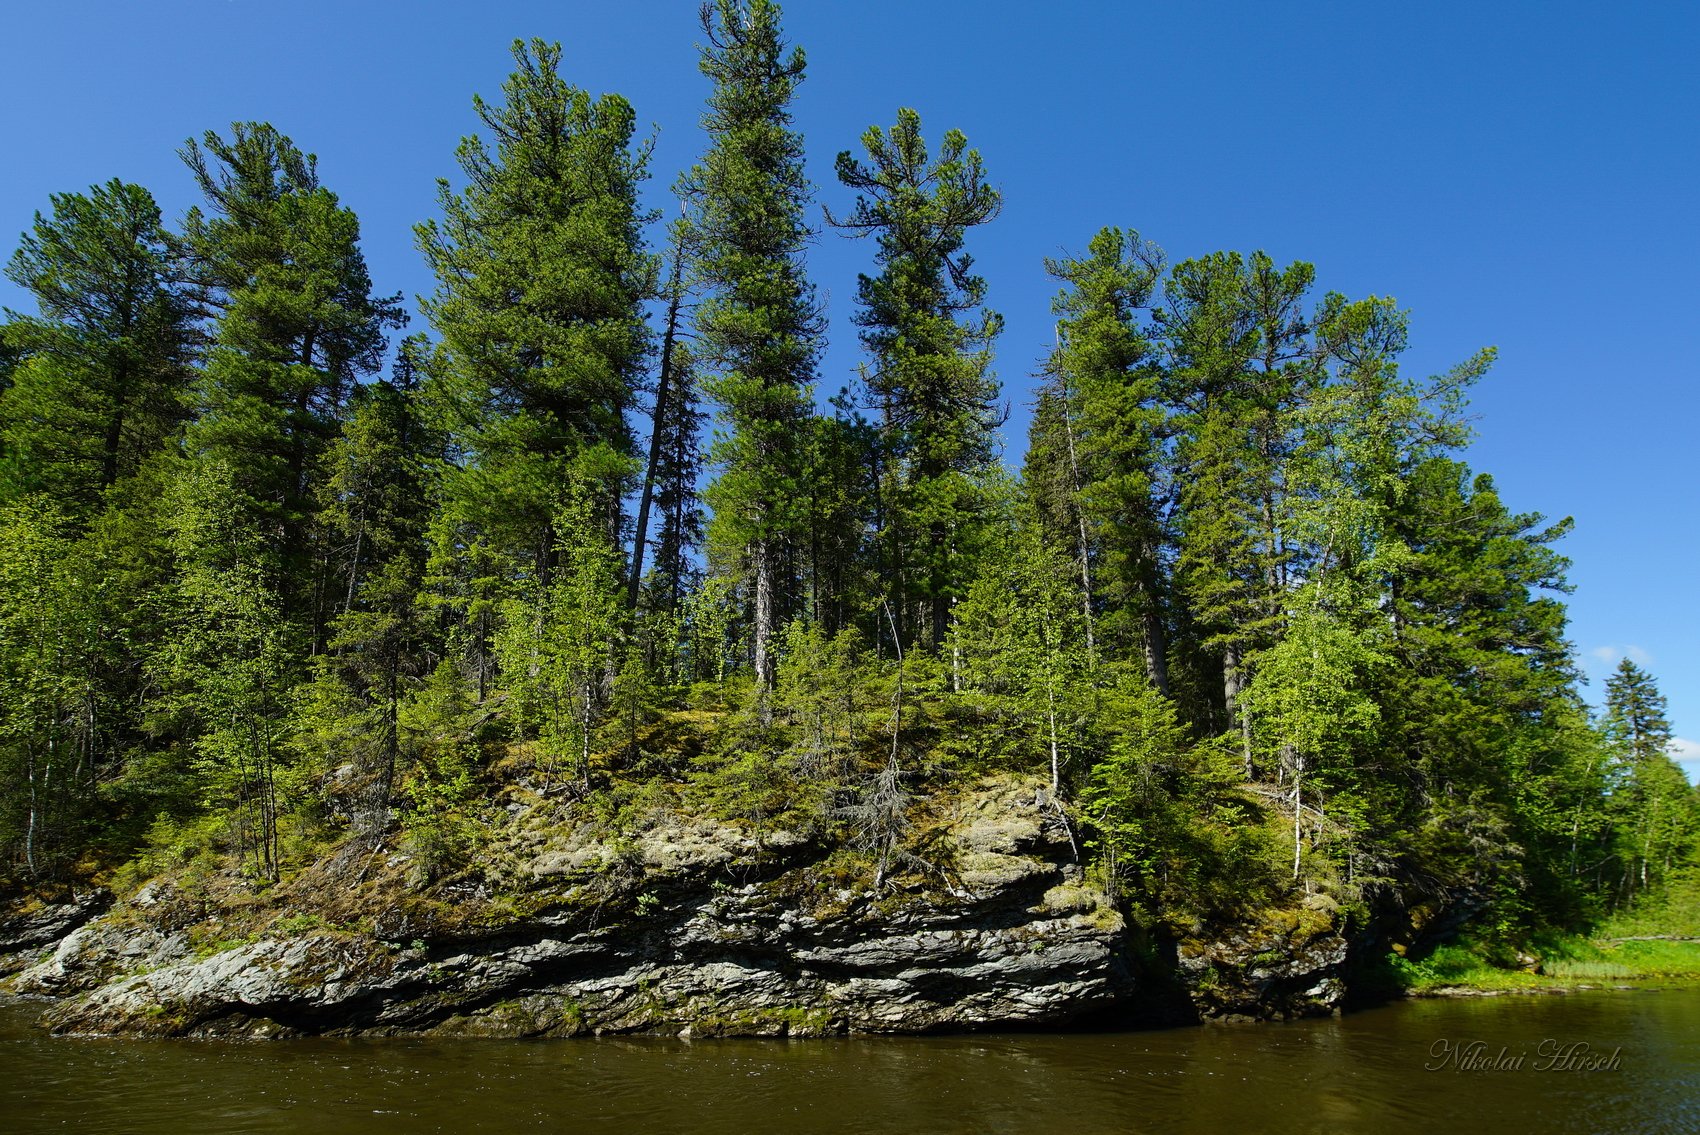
x=1245 y=607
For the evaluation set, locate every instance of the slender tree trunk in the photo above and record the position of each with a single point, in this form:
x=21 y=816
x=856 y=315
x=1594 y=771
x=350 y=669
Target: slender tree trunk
x=34 y=817
x=764 y=556
x=1156 y=643
x=1231 y=695
x=1056 y=755
x=1298 y=763
x=115 y=429
x=354 y=562
x=1084 y=545
x=675 y=296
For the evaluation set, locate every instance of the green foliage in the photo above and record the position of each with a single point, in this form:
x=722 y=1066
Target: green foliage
x=1018 y=654
x=51 y=699
x=440 y=730
x=1095 y=453
x=757 y=323
x=1656 y=811
x=1247 y=612
x=1162 y=811
x=276 y=256
x=541 y=273
x=923 y=322
x=376 y=504
x=558 y=645
x=233 y=670
x=103 y=371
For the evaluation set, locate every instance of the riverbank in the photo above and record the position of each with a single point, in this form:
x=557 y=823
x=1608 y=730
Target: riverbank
x=662 y=906
x=1555 y=965
x=684 y=925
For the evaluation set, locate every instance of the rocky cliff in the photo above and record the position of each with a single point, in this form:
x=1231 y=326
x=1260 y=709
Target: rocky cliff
x=691 y=926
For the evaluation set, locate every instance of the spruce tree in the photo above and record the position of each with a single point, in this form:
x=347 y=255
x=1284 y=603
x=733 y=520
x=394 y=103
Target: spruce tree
x=757 y=325
x=1635 y=713
x=1657 y=817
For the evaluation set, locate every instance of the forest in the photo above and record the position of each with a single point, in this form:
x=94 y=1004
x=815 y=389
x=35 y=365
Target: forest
x=274 y=577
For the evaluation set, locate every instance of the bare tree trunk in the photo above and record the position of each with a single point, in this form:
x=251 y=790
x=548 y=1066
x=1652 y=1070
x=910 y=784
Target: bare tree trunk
x=1231 y=694
x=675 y=296
x=34 y=819
x=1056 y=759
x=1298 y=812
x=764 y=615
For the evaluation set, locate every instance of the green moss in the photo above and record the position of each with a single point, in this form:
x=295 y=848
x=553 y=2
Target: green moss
x=788 y=1020
x=301 y=923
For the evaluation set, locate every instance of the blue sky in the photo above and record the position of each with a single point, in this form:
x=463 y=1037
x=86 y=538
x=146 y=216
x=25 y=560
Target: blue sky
x=1519 y=174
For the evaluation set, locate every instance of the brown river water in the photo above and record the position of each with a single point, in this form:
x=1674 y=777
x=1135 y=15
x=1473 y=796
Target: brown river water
x=1406 y=1067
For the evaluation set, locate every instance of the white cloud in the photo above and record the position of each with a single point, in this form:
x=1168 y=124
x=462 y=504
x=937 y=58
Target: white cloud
x=1608 y=655
x=1687 y=754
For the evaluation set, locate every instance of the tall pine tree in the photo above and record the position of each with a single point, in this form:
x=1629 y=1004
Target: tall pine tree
x=107 y=368
x=277 y=260
x=541 y=277
x=758 y=326
x=924 y=323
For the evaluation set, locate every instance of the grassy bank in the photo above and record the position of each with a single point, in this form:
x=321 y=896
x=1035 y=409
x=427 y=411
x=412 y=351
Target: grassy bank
x=1554 y=964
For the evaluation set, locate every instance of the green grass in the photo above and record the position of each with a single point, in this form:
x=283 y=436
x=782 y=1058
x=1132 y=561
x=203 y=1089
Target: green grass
x=1566 y=962
x=1673 y=910
x=1466 y=965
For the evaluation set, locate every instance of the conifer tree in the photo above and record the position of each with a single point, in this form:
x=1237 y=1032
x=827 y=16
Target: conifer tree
x=678 y=464
x=757 y=324
x=1635 y=713
x=277 y=261
x=377 y=495
x=665 y=425
x=558 y=642
x=843 y=456
x=541 y=276
x=1096 y=462
x=1656 y=812
x=107 y=368
x=1240 y=365
x=930 y=336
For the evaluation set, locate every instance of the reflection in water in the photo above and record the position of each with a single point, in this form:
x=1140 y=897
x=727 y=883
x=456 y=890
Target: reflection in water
x=1363 y=1073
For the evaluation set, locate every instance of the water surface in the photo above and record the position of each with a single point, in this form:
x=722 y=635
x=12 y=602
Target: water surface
x=1367 y=1072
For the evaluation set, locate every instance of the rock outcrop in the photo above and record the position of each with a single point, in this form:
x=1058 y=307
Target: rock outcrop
x=696 y=926
x=1290 y=963
x=690 y=926
x=42 y=924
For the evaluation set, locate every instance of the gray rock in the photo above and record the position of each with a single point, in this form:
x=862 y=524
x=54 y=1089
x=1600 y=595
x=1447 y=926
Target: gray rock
x=42 y=927
x=656 y=939
x=100 y=952
x=1291 y=964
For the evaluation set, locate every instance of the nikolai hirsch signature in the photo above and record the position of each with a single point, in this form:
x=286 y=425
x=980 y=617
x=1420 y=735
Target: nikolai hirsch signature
x=1550 y=1056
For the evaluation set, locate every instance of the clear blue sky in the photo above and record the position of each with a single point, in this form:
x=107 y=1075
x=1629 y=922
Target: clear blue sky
x=1518 y=174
